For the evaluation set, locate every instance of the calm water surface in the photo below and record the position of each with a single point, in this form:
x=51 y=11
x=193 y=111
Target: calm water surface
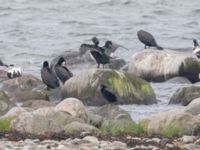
x=35 y=30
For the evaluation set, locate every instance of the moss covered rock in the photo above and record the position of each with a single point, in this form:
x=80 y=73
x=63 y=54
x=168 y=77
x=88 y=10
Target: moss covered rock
x=185 y=95
x=5 y=103
x=158 y=66
x=172 y=123
x=129 y=89
x=5 y=124
x=43 y=121
x=23 y=83
x=23 y=96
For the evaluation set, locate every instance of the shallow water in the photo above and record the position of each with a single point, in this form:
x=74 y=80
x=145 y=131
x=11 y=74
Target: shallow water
x=32 y=31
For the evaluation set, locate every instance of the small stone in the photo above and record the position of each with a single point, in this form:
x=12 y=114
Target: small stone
x=91 y=139
x=188 y=139
x=61 y=147
x=189 y=147
x=169 y=146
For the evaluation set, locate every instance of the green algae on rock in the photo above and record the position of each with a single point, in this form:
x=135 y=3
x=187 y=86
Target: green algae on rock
x=128 y=88
x=5 y=124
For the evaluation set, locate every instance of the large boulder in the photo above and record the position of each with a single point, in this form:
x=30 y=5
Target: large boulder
x=172 y=123
x=43 y=121
x=111 y=112
x=23 y=96
x=158 y=66
x=5 y=103
x=74 y=107
x=194 y=107
x=185 y=95
x=129 y=89
x=35 y=104
x=23 y=83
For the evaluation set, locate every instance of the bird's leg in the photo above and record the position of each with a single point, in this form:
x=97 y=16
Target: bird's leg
x=103 y=65
x=145 y=47
x=98 y=66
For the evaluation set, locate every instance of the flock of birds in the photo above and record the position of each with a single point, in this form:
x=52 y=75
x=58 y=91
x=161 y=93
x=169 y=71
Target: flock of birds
x=59 y=74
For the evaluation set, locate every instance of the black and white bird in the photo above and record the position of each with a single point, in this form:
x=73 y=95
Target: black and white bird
x=108 y=94
x=101 y=57
x=48 y=76
x=196 y=48
x=14 y=72
x=62 y=72
x=147 y=39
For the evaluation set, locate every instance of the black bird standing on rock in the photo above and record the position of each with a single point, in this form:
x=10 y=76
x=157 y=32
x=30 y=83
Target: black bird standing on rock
x=148 y=39
x=107 y=94
x=101 y=57
x=196 y=48
x=48 y=77
x=85 y=47
x=62 y=71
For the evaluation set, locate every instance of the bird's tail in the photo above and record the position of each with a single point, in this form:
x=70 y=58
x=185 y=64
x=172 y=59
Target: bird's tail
x=159 y=47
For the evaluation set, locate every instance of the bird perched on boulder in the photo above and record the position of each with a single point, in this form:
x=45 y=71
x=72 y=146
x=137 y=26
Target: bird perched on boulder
x=108 y=94
x=101 y=57
x=196 y=48
x=62 y=72
x=14 y=72
x=48 y=77
x=147 y=39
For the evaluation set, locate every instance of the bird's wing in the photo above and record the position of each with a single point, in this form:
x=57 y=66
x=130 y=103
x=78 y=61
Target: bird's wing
x=48 y=78
x=115 y=46
x=97 y=55
x=63 y=73
x=85 y=47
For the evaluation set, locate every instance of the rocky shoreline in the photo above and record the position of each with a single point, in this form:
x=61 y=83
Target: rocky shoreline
x=97 y=142
x=61 y=119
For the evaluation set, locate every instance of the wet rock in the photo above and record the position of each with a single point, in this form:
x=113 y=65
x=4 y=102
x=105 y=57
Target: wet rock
x=43 y=121
x=129 y=89
x=194 y=107
x=158 y=66
x=5 y=103
x=28 y=95
x=172 y=123
x=178 y=80
x=35 y=104
x=23 y=83
x=185 y=95
x=74 y=107
x=116 y=63
x=111 y=112
x=75 y=128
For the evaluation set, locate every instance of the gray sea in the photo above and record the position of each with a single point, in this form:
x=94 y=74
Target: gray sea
x=32 y=31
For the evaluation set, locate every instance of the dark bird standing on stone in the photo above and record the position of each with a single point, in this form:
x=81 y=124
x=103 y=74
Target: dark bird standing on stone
x=196 y=48
x=85 y=47
x=48 y=77
x=148 y=39
x=62 y=71
x=107 y=94
x=101 y=57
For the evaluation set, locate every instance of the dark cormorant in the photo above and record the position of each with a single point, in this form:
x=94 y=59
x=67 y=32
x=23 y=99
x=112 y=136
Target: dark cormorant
x=101 y=57
x=148 y=39
x=48 y=77
x=196 y=48
x=107 y=94
x=85 y=47
x=61 y=71
x=2 y=64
